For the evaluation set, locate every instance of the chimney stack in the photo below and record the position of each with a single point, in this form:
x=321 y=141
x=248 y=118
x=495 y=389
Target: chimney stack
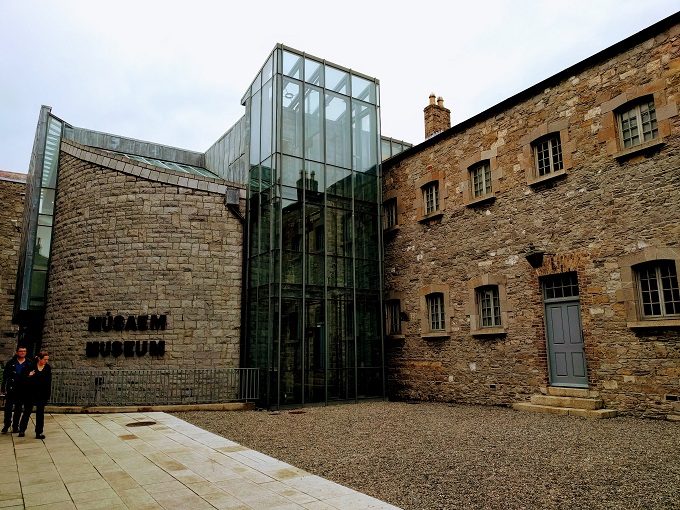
x=437 y=118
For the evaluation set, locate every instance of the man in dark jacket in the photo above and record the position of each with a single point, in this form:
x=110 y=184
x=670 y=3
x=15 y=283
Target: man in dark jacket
x=11 y=387
x=38 y=382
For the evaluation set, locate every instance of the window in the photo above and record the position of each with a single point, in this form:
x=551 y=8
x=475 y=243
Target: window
x=393 y=317
x=637 y=123
x=489 y=305
x=659 y=295
x=431 y=197
x=480 y=175
x=548 y=155
x=390 y=212
x=435 y=311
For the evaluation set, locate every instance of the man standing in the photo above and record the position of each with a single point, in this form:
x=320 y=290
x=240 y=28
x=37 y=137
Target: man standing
x=11 y=387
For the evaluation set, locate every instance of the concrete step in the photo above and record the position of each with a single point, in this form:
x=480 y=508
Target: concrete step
x=558 y=391
x=574 y=402
x=565 y=411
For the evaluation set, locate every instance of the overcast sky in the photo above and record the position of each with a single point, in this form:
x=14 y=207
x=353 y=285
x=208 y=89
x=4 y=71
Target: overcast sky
x=173 y=72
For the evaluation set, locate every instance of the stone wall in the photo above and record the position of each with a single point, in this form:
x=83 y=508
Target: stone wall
x=129 y=240
x=12 y=190
x=606 y=205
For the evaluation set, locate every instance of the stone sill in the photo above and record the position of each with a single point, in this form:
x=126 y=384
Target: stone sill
x=643 y=147
x=546 y=178
x=432 y=216
x=488 y=332
x=661 y=323
x=491 y=197
x=435 y=335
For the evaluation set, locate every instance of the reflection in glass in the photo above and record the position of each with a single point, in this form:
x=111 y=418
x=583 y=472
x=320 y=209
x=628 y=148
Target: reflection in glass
x=292 y=65
x=314 y=253
x=313 y=124
x=291 y=118
x=313 y=72
x=364 y=146
x=363 y=89
x=336 y=80
x=51 y=159
x=46 y=201
x=255 y=129
x=337 y=131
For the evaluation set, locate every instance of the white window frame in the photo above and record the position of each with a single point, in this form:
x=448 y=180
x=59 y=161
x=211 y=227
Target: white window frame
x=431 y=197
x=390 y=213
x=481 y=170
x=553 y=157
x=489 y=306
x=393 y=317
x=634 y=117
x=436 y=314
x=665 y=284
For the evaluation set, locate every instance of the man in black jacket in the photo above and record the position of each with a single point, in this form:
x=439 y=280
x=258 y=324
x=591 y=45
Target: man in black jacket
x=11 y=387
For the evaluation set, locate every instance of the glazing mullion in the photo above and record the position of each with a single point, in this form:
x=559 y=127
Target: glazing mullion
x=279 y=166
x=354 y=233
x=381 y=309
x=305 y=257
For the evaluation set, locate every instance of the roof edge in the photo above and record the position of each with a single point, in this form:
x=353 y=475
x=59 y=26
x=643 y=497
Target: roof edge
x=609 y=52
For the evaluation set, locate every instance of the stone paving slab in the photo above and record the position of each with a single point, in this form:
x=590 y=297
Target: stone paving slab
x=90 y=462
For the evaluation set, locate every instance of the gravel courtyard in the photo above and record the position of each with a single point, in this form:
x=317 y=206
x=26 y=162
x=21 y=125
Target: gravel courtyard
x=432 y=456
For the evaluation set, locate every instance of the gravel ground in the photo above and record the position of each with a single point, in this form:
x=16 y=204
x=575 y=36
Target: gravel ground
x=432 y=456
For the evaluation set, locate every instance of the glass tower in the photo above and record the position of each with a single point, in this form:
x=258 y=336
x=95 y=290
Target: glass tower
x=313 y=243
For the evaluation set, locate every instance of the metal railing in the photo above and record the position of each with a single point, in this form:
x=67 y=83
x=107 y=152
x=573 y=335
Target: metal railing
x=101 y=387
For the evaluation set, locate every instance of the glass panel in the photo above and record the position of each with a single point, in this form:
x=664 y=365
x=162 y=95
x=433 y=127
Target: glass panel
x=385 y=149
x=292 y=172
x=292 y=65
x=257 y=83
x=366 y=187
x=364 y=130
x=267 y=105
x=313 y=124
x=369 y=346
x=338 y=181
x=51 y=159
x=267 y=71
x=255 y=129
x=291 y=118
x=291 y=351
x=314 y=72
x=338 y=232
x=38 y=283
x=315 y=351
x=340 y=331
x=336 y=80
x=46 y=201
x=365 y=233
x=337 y=131
x=363 y=89
x=41 y=252
x=45 y=219
x=314 y=184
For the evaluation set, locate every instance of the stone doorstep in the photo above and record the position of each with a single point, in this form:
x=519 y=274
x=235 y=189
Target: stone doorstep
x=573 y=402
x=228 y=406
x=673 y=417
x=565 y=411
x=558 y=391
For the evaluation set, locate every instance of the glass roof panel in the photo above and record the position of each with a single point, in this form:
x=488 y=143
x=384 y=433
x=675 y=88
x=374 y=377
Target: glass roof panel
x=177 y=167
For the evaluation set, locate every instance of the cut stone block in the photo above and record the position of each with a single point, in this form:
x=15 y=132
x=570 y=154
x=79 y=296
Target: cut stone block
x=575 y=402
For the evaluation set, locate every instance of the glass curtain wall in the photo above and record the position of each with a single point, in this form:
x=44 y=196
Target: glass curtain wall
x=313 y=298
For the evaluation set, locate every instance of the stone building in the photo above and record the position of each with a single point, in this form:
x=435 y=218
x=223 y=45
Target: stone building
x=534 y=248
x=12 y=191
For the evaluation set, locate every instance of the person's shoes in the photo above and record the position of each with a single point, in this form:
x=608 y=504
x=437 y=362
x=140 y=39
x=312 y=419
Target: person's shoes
x=14 y=430
x=5 y=429
x=40 y=436
x=21 y=434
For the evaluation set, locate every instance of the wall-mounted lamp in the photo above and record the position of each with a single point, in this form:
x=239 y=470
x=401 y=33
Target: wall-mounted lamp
x=534 y=256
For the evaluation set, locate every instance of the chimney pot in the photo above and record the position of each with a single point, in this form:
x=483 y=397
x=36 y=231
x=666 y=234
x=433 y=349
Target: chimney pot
x=440 y=102
x=432 y=98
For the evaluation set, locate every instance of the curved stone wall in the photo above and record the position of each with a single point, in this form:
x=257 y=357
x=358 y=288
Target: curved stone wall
x=131 y=242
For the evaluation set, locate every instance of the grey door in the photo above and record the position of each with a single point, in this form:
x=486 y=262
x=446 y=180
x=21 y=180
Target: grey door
x=566 y=359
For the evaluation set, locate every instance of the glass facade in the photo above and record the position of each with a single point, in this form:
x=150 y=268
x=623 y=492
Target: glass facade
x=313 y=287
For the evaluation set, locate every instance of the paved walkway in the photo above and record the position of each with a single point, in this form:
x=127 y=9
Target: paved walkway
x=92 y=462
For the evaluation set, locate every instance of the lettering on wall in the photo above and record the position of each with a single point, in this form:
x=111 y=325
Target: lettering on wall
x=127 y=348
x=132 y=323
